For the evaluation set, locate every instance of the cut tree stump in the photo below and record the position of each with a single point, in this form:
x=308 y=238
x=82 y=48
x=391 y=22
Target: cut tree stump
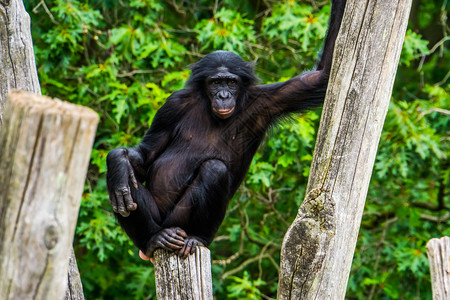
x=45 y=146
x=18 y=71
x=178 y=278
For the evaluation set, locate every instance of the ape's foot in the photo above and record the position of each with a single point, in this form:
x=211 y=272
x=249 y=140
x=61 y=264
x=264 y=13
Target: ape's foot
x=171 y=239
x=190 y=243
x=145 y=257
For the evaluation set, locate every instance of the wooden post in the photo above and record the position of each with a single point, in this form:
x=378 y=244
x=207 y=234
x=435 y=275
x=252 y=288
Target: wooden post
x=74 y=289
x=438 y=251
x=18 y=71
x=318 y=248
x=45 y=147
x=17 y=63
x=184 y=279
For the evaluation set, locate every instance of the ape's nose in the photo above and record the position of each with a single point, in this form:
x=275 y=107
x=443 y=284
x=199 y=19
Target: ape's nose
x=224 y=95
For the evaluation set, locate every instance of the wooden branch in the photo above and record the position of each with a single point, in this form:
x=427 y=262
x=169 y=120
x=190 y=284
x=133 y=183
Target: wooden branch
x=183 y=279
x=45 y=148
x=318 y=248
x=438 y=251
x=17 y=62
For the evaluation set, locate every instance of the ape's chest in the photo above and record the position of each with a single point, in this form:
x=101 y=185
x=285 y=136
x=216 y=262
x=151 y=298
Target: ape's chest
x=227 y=141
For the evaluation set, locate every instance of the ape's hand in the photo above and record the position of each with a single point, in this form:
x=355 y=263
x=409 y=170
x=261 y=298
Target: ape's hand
x=119 y=177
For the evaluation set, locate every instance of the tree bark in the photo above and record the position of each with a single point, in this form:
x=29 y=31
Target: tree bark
x=45 y=148
x=184 y=279
x=438 y=251
x=318 y=248
x=74 y=289
x=18 y=71
x=17 y=62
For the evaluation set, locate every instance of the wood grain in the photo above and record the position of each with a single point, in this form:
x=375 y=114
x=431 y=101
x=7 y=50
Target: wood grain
x=45 y=147
x=17 y=62
x=438 y=251
x=184 y=279
x=318 y=248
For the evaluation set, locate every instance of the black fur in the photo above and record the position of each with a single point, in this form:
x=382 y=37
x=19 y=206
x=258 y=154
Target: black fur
x=172 y=190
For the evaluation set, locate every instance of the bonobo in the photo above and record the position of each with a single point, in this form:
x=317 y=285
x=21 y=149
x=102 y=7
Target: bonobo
x=172 y=190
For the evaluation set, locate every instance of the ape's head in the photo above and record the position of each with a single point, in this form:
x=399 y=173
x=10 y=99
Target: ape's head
x=223 y=77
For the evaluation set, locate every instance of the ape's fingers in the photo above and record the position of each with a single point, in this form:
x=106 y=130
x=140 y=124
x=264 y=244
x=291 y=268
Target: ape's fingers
x=194 y=246
x=131 y=205
x=125 y=203
x=132 y=177
x=173 y=240
x=113 y=201
x=182 y=250
x=169 y=246
x=176 y=235
x=121 y=205
x=188 y=248
x=181 y=232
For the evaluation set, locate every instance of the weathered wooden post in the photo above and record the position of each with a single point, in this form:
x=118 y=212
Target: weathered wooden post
x=18 y=71
x=184 y=279
x=17 y=63
x=438 y=251
x=45 y=146
x=318 y=248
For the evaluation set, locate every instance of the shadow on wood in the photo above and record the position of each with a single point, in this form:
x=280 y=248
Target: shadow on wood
x=178 y=278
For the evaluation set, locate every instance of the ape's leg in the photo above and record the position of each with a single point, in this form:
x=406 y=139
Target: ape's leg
x=202 y=207
x=143 y=224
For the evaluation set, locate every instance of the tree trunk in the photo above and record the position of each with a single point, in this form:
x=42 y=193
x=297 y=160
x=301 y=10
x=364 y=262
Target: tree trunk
x=17 y=63
x=184 y=279
x=18 y=71
x=438 y=251
x=74 y=289
x=44 y=155
x=318 y=248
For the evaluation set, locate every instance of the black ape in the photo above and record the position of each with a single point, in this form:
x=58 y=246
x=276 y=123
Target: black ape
x=172 y=190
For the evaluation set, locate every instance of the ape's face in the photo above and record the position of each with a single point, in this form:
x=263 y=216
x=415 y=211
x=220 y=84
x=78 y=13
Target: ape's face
x=223 y=90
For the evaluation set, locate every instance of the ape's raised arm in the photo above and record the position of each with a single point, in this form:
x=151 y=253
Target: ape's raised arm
x=307 y=90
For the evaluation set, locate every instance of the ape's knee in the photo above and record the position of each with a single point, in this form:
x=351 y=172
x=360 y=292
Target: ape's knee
x=215 y=167
x=215 y=174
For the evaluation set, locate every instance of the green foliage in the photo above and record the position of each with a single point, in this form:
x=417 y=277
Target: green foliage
x=244 y=288
x=227 y=30
x=413 y=47
x=298 y=22
x=124 y=58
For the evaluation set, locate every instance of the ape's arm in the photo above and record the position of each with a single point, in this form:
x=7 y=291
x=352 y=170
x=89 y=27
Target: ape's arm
x=307 y=90
x=337 y=12
x=128 y=166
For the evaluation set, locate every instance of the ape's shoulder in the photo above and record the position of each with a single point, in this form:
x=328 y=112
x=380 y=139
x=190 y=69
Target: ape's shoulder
x=180 y=96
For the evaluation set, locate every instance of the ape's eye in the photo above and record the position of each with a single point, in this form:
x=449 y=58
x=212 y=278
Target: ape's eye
x=216 y=81
x=231 y=82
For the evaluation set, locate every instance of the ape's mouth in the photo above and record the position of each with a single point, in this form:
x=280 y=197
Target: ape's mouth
x=223 y=113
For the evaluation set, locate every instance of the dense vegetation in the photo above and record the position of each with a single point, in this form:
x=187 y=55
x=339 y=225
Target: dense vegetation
x=123 y=58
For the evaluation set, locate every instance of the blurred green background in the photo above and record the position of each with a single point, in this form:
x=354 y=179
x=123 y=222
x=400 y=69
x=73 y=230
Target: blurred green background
x=124 y=58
